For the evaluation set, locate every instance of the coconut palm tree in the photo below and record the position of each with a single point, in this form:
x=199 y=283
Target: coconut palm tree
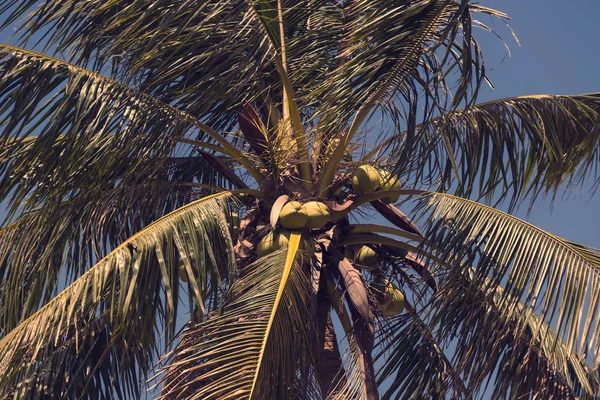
x=204 y=197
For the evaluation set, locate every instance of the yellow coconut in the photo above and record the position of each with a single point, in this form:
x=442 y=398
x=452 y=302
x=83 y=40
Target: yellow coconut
x=394 y=300
x=388 y=181
x=367 y=257
x=277 y=239
x=318 y=214
x=365 y=179
x=183 y=273
x=272 y=242
x=293 y=215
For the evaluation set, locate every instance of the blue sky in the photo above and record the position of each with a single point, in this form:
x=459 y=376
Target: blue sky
x=558 y=55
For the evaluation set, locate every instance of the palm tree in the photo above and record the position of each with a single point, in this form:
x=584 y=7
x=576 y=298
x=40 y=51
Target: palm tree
x=206 y=194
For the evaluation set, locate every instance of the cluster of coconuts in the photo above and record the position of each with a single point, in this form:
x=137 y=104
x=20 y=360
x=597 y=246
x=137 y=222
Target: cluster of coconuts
x=275 y=240
x=367 y=259
x=294 y=216
x=312 y=215
x=367 y=179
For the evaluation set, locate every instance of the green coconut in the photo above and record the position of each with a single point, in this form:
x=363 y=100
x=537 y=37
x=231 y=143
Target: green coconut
x=388 y=181
x=277 y=239
x=365 y=179
x=367 y=257
x=318 y=214
x=293 y=215
x=183 y=273
x=272 y=242
x=394 y=300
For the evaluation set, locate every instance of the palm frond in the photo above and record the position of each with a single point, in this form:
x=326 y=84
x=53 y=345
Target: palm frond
x=78 y=153
x=507 y=148
x=493 y=343
x=146 y=43
x=351 y=375
x=552 y=277
x=257 y=344
x=388 y=44
x=270 y=15
x=414 y=364
x=123 y=304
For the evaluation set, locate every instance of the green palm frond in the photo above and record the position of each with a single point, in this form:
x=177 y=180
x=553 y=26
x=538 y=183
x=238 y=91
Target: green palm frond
x=87 y=162
x=553 y=278
x=123 y=304
x=185 y=59
x=256 y=345
x=487 y=345
x=51 y=246
x=165 y=111
x=507 y=148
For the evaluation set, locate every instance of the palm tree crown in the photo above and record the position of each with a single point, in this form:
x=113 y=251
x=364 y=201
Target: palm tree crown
x=220 y=162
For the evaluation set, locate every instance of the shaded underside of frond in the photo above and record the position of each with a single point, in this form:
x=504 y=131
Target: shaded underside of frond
x=493 y=345
x=532 y=296
x=507 y=148
x=414 y=364
x=122 y=308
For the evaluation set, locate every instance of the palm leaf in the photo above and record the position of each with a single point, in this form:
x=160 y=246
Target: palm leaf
x=492 y=342
x=185 y=59
x=388 y=43
x=259 y=333
x=82 y=150
x=415 y=364
x=355 y=378
x=126 y=299
x=549 y=141
x=552 y=277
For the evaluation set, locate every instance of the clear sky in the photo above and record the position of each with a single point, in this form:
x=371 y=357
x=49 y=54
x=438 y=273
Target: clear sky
x=558 y=55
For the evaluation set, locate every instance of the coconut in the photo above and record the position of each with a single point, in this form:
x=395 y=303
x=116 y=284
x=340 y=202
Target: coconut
x=293 y=215
x=318 y=214
x=394 y=300
x=367 y=257
x=277 y=239
x=365 y=179
x=272 y=242
x=388 y=181
x=183 y=273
